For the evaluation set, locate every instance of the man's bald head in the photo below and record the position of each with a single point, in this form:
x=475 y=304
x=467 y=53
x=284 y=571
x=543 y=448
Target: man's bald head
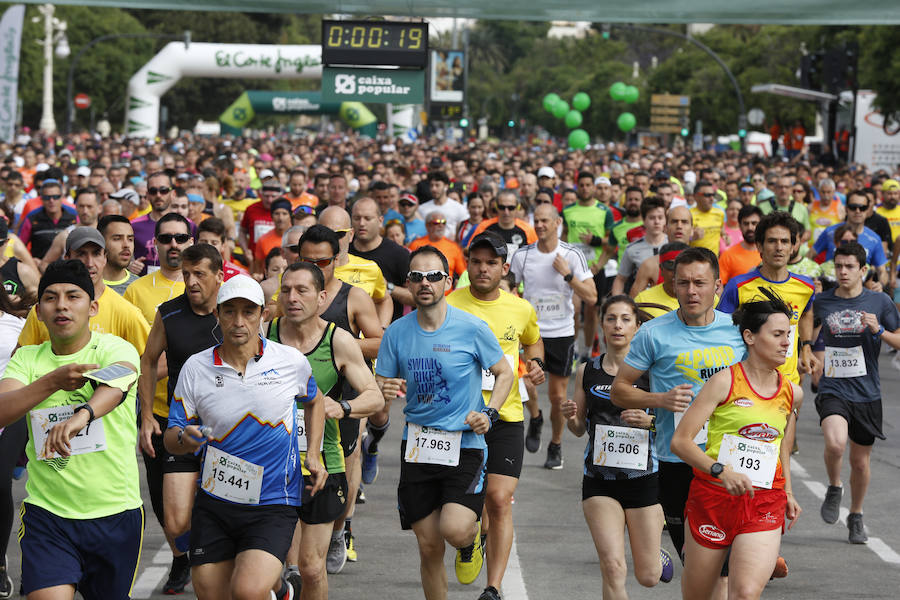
x=546 y=210
x=334 y=218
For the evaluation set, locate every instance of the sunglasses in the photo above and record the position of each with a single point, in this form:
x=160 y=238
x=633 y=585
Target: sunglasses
x=306 y=210
x=438 y=222
x=432 y=276
x=406 y=204
x=857 y=207
x=748 y=189
x=543 y=201
x=799 y=191
x=152 y=191
x=713 y=195
x=269 y=188
x=505 y=207
x=319 y=262
x=757 y=180
x=51 y=196
x=180 y=238
x=295 y=248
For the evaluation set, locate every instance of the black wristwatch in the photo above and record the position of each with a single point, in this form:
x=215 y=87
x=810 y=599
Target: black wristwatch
x=540 y=362
x=346 y=406
x=88 y=408
x=492 y=413
x=716 y=469
x=568 y=277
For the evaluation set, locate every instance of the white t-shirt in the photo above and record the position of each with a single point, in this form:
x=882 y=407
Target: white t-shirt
x=455 y=212
x=10 y=327
x=546 y=289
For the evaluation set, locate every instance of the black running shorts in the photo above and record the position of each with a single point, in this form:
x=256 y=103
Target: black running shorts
x=863 y=418
x=327 y=505
x=558 y=355
x=506 y=447
x=630 y=493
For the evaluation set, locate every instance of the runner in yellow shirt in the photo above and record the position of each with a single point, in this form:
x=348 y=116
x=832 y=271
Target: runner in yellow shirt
x=708 y=219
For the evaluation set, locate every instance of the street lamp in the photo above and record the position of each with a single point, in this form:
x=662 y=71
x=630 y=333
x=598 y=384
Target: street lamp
x=54 y=36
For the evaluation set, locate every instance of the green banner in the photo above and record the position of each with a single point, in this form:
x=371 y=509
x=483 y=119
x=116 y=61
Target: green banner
x=378 y=86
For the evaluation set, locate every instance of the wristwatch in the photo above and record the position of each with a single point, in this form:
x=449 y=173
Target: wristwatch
x=879 y=332
x=568 y=277
x=390 y=288
x=346 y=406
x=540 y=362
x=492 y=413
x=88 y=408
x=716 y=469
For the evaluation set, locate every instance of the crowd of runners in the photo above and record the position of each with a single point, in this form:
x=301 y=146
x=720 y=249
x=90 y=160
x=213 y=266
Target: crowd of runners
x=244 y=313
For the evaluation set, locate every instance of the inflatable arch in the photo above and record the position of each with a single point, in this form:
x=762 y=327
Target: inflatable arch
x=255 y=102
x=233 y=61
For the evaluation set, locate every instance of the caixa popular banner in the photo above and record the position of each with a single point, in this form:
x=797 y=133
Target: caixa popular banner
x=379 y=86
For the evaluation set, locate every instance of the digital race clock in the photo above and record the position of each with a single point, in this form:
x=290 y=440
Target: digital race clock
x=375 y=43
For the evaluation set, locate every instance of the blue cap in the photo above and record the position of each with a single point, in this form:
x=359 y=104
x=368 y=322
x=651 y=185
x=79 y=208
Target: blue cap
x=196 y=198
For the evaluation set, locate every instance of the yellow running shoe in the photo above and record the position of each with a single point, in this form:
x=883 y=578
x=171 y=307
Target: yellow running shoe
x=470 y=559
x=351 y=547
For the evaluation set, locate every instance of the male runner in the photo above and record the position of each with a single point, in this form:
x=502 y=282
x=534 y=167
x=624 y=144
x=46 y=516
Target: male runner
x=246 y=391
x=334 y=359
x=119 y=238
x=854 y=321
x=553 y=271
x=82 y=520
x=680 y=350
x=744 y=256
x=513 y=321
x=440 y=352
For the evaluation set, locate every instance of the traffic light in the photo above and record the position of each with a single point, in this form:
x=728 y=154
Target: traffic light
x=742 y=133
x=604 y=31
x=684 y=121
x=510 y=123
x=684 y=132
x=464 y=122
x=742 y=126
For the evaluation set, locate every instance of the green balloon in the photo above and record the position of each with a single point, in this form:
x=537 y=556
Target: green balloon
x=631 y=94
x=578 y=138
x=573 y=119
x=560 y=109
x=550 y=101
x=626 y=121
x=581 y=101
x=617 y=90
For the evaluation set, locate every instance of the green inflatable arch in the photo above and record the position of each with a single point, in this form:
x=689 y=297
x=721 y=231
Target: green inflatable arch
x=252 y=103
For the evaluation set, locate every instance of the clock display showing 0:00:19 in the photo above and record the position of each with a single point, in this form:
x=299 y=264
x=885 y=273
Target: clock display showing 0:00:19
x=375 y=36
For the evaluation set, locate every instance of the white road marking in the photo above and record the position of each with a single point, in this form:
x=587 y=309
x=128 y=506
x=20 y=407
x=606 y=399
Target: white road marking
x=148 y=582
x=163 y=556
x=513 y=583
x=876 y=544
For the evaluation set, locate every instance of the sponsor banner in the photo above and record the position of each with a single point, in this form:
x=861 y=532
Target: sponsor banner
x=378 y=86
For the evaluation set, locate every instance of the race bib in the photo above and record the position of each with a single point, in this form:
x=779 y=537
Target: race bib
x=231 y=478
x=261 y=229
x=302 y=443
x=621 y=447
x=487 y=378
x=432 y=446
x=549 y=307
x=701 y=436
x=90 y=439
x=754 y=458
x=844 y=362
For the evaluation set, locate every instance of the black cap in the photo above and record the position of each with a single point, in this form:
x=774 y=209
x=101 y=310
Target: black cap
x=489 y=239
x=662 y=174
x=281 y=203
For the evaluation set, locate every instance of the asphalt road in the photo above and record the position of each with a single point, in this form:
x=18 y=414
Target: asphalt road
x=554 y=555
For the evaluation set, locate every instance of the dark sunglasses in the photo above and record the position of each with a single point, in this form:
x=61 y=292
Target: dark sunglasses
x=505 y=207
x=713 y=195
x=432 y=276
x=748 y=189
x=180 y=238
x=51 y=196
x=295 y=248
x=269 y=188
x=799 y=191
x=857 y=207
x=406 y=204
x=319 y=262
x=152 y=191
x=303 y=209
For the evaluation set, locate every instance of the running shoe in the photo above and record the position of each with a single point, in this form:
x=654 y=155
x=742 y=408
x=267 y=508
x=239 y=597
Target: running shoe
x=179 y=576
x=857 y=529
x=554 y=457
x=668 y=568
x=533 y=437
x=489 y=593
x=286 y=593
x=469 y=560
x=831 y=506
x=781 y=569
x=360 y=495
x=351 y=547
x=6 y=584
x=294 y=580
x=369 y=463
x=337 y=555
x=18 y=473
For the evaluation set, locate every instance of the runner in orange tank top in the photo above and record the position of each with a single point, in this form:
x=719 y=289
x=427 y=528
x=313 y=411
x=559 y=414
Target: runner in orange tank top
x=741 y=492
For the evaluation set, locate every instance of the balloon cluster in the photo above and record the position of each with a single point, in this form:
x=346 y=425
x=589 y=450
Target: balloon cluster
x=628 y=94
x=571 y=116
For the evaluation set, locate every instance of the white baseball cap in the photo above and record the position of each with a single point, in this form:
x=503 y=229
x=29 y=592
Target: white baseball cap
x=602 y=181
x=266 y=174
x=83 y=171
x=546 y=172
x=241 y=286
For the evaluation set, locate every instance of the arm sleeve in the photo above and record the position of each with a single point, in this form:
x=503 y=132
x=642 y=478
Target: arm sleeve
x=387 y=363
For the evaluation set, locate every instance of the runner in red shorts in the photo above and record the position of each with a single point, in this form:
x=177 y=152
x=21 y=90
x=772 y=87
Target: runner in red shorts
x=741 y=492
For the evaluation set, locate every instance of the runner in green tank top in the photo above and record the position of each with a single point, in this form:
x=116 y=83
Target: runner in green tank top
x=334 y=356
